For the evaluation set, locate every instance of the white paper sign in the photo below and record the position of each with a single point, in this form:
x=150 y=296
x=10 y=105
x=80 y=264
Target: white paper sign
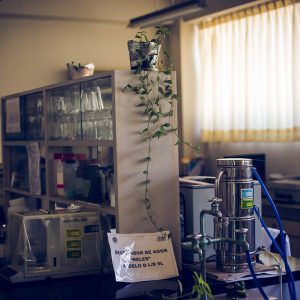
x=142 y=257
x=13 y=121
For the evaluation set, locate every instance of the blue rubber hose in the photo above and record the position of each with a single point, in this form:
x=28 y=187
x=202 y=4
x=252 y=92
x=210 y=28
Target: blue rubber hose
x=273 y=207
x=254 y=276
x=291 y=283
x=282 y=253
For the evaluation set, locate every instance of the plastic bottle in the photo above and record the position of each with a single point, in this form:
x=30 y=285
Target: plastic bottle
x=95 y=182
x=59 y=173
x=79 y=180
x=69 y=171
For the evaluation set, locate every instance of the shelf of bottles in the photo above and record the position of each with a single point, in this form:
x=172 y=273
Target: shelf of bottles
x=82 y=175
x=58 y=143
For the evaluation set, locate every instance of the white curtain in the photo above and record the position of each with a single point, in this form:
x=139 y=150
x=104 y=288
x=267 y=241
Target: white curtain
x=248 y=72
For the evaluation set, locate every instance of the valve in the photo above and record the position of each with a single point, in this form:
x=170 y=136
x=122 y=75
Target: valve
x=241 y=233
x=214 y=200
x=195 y=238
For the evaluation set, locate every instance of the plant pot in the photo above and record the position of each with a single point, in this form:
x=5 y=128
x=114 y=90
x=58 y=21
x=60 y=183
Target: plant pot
x=80 y=71
x=143 y=55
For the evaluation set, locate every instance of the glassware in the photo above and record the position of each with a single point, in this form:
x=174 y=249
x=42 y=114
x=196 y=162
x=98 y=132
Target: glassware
x=91 y=99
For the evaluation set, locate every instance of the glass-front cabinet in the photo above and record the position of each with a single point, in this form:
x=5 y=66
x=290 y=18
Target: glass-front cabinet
x=81 y=111
x=80 y=144
x=66 y=132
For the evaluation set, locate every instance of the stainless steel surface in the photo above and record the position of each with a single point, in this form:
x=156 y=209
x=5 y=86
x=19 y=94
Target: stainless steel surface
x=234 y=185
x=194 y=200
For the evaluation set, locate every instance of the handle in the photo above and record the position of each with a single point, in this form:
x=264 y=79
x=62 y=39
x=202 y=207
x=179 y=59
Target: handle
x=217 y=182
x=194 y=237
x=214 y=200
x=241 y=233
x=241 y=230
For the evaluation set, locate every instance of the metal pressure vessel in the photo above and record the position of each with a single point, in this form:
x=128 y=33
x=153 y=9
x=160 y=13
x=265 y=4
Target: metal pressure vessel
x=234 y=185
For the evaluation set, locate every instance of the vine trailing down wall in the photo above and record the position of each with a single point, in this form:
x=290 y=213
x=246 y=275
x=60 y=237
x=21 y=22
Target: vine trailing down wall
x=157 y=96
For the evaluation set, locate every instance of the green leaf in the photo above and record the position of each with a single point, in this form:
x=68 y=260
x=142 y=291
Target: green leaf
x=127 y=87
x=145 y=129
x=161 y=90
x=167 y=71
x=145 y=172
x=157 y=134
x=168 y=81
x=162 y=30
x=141 y=104
x=142 y=36
x=166 y=125
x=168 y=93
x=145 y=77
x=148 y=158
x=148 y=110
x=154 y=116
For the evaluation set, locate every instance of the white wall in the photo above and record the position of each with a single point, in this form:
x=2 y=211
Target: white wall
x=38 y=38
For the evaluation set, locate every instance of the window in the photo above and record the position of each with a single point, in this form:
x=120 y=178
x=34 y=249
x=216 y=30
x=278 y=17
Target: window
x=248 y=70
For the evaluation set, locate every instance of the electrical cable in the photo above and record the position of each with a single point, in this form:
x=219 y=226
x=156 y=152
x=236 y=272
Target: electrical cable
x=254 y=276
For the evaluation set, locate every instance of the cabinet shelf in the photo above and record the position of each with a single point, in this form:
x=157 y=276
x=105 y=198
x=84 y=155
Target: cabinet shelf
x=102 y=208
x=22 y=192
x=80 y=143
x=90 y=143
x=21 y=143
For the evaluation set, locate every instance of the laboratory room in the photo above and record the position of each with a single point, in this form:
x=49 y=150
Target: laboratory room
x=149 y=149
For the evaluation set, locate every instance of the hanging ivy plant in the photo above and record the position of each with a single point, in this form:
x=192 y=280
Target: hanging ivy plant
x=157 y=98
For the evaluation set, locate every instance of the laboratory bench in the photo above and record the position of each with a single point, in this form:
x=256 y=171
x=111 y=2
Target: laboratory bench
x=105 y=287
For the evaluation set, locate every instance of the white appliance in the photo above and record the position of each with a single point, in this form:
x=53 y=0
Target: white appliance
x=285 y=189
x=194 y=193
x=57 y=244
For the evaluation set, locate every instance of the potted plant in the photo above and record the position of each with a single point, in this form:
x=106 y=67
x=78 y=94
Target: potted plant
x=157 y=100
x=199 y=289
x=143 y=53
x=78 y=71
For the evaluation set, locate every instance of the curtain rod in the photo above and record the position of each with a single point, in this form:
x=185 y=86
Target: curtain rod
x=247 y=10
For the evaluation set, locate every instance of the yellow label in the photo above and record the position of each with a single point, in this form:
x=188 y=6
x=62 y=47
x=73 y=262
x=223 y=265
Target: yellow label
x=73 y=244
x=73 y=233
x=73 y=253
x=246 y=203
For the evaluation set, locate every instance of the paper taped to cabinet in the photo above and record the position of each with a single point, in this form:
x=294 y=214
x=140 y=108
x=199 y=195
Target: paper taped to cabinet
x=142 y=257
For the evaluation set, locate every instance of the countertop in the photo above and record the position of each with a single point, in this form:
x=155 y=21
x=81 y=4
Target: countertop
x=104 y=286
